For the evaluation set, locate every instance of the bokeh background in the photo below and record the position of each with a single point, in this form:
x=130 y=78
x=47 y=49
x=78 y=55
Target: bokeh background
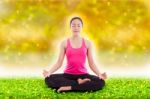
x=31 y=31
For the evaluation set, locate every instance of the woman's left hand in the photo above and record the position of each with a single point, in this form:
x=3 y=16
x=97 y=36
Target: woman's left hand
x=46 y=73
x=103 y=76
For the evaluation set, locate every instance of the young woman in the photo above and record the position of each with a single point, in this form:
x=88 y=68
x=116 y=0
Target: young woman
x=75 y=76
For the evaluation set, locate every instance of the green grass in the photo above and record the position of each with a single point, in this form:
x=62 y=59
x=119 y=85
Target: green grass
x=126 y=88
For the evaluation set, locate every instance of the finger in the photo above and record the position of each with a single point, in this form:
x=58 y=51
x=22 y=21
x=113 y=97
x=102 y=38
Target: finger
x=100 y=78
x=45 y=74
x=44 y=71
x=104 y=74
x=105 y=77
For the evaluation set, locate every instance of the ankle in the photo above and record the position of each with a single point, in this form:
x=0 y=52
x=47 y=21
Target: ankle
x=69 y=87
x=79 y=80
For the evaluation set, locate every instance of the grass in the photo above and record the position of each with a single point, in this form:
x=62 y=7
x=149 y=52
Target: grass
x=118 y=88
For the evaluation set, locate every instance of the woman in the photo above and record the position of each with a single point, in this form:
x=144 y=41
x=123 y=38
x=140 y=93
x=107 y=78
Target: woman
x=75 y=76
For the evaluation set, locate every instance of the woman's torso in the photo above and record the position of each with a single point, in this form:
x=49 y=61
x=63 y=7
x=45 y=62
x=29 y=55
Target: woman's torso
x=76 y=58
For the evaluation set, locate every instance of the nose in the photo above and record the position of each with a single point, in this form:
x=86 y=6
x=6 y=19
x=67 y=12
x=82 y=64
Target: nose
x=76 y=27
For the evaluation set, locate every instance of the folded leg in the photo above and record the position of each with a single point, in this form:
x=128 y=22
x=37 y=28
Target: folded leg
x=93 y=85
x=58 y=80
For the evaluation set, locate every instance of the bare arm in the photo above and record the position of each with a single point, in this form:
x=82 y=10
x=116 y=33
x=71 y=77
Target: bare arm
x=92 y=63
x=59 y=62
x=90 y=59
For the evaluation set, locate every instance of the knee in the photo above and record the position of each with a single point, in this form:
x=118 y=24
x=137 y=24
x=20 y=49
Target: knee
x=49 y=82
x=49 y=78
x=100 y=83
x=46 y=79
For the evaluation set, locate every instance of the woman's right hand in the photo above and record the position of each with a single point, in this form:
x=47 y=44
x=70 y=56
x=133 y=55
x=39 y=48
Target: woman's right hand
x=46 y=73
x=103 y=76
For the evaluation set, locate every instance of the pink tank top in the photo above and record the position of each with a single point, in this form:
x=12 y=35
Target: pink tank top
x=76 y=59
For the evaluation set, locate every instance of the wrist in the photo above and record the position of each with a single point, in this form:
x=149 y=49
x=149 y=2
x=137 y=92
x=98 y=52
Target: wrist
x=49 y=73
x=99 y=74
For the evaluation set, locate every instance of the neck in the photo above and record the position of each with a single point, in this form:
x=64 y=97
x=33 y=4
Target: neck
x=76 y=36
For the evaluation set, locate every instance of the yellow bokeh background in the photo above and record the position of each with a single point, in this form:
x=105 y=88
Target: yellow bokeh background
x=119 y=29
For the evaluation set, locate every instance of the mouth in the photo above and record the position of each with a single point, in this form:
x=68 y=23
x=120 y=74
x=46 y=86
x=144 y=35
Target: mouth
x=75 y=31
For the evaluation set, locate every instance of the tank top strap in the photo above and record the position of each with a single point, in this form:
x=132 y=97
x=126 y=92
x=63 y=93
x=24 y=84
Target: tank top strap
x=83 y=42
x=68 y=42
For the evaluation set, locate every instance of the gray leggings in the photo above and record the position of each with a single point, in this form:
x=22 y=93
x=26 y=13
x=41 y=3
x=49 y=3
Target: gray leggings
x=63 y=79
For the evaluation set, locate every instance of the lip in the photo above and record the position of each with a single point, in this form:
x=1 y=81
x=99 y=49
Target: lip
x=75 y=31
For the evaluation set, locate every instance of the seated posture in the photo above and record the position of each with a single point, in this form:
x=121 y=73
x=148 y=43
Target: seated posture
x=75 y=76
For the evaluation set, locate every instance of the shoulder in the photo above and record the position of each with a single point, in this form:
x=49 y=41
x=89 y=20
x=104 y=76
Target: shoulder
x=64 y=43
x=88 y=43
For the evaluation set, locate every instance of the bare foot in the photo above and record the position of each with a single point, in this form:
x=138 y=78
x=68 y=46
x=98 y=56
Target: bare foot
x=81 y=81
x=64 y=88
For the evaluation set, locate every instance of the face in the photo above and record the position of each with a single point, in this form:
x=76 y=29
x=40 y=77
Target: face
x=76 y=27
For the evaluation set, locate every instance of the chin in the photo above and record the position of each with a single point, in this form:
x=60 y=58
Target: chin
x=75 y=34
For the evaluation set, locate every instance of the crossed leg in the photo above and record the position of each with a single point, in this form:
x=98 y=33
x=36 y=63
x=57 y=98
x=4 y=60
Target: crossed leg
x=74 y=83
